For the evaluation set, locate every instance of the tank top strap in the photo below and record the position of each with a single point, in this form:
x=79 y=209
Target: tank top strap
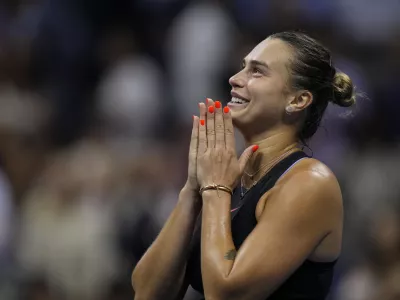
x=269 y=180
x=248 y=202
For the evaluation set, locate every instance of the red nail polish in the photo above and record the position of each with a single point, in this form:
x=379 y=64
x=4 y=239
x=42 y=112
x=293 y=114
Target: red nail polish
x=217 y=104
x=211 y=109
x=202 y=122
x=255 y=148
x=226 y=109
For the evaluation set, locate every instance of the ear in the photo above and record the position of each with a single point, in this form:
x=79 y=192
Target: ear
x=300 y=101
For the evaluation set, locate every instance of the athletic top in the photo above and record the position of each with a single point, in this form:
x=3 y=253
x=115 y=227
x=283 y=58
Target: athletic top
x=311 y=281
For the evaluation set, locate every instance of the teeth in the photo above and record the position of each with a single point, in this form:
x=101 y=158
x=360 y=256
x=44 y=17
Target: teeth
x=237 y=100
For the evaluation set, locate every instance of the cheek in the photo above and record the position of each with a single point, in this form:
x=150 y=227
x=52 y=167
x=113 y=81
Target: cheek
x=266 y=91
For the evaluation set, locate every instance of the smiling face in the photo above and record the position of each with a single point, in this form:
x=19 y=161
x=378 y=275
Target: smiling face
x=263 y=85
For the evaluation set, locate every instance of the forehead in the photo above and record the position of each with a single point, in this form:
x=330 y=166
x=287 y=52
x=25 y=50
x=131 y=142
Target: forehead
x=274 y=52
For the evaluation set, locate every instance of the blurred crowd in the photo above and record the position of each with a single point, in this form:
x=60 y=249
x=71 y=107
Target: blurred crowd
x=96 y=104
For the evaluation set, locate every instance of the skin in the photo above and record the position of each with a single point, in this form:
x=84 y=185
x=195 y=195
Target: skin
x=170 y=250
x=300 y=218
x=160 y=272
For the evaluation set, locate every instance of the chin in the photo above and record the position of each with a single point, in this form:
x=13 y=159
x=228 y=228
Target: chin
x=248 y=122
x=237 y=111
x=238 y=120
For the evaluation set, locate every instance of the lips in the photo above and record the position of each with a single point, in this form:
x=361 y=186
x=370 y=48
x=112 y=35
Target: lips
x=238 y=96
x=238 y=100
x=237 y=104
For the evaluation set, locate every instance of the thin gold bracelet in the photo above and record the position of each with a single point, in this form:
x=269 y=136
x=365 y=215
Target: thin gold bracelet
x=217 y=187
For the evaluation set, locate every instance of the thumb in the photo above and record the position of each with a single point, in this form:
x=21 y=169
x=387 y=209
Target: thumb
x=244 y=158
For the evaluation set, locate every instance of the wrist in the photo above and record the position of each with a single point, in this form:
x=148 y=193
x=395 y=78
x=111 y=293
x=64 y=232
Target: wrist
x=190 y=191
x=190 y=198
x=217 y=187
x=214 y=193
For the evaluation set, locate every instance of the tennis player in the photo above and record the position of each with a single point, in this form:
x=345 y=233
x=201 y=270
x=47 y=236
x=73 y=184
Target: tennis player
x=269 y=224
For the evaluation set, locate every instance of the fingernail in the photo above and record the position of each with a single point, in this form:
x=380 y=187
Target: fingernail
x=207 y=101
x=255 y=148
x=211 y=109
x=202 y=122
x=217 y=104
x=226 y=109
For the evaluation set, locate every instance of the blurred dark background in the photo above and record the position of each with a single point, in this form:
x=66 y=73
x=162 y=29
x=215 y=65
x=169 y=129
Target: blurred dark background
x=96 y=104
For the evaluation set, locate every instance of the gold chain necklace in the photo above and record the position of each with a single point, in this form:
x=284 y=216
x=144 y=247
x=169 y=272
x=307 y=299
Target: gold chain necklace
x=270 y=165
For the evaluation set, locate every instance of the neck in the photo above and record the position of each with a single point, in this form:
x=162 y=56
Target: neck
x=272 y=148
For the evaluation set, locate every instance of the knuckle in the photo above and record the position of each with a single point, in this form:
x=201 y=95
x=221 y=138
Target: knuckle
x=229 y=131
x=210 y=132
x=220 y=141
x=231 y=152
x=219 y=155
x=203 y=140
x=220 y=151
x=219 y=127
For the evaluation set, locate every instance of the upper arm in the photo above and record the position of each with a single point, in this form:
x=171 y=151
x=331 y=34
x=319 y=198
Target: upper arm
x=299 y=214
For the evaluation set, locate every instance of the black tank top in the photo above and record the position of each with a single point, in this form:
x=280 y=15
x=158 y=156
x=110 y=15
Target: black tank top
x=311 y=281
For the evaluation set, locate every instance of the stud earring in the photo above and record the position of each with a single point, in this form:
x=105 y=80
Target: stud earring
x=289 y=109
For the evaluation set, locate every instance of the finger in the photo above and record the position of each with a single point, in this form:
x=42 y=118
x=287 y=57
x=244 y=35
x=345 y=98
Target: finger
x=202 y=147
x=219 y=126
x=229 y=131
x=194 y=140
x=210 y=124
x=209 y=102
x=245 y=157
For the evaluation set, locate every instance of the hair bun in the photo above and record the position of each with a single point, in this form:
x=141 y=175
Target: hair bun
x=343 y=90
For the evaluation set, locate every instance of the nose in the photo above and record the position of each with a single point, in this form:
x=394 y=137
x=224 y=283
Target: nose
x=237 y=81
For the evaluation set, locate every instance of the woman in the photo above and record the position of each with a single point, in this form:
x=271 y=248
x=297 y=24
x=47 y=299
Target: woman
x=278 y=235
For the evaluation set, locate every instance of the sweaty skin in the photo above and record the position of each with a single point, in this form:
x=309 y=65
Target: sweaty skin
x=299 y=218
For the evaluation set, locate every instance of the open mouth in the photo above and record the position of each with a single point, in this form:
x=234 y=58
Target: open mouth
x=238 y=103
x=238 y=100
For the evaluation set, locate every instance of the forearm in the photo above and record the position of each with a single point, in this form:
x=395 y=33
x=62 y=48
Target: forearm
x=217 y=247
x=163 y=265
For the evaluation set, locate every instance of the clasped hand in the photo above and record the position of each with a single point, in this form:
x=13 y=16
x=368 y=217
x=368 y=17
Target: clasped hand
x=212 y=155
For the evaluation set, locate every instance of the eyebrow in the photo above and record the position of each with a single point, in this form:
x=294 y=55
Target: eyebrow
x=257 y=63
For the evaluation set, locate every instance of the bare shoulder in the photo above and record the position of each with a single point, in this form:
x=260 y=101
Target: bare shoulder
x=310 y=166
x=310 y=175
x=309 y=187
x=306 y=202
